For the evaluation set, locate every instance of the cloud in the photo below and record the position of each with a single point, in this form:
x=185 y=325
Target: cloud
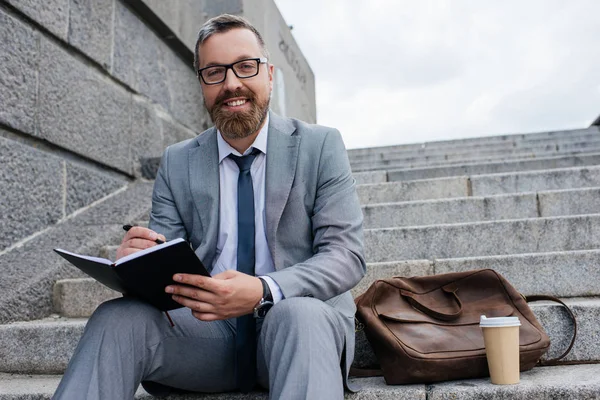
x=390 y=72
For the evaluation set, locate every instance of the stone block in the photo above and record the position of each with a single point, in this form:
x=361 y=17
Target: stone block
x=145 y=63
x=569 y=202
x=512 y=206
x=414 y=190
x=33 y=341
x=174 y=132
x=79 y=297
x=540 y=383
x=90 y=29
x=369 y=177
x=51 y=14
x=30 y=270
x=214 y=8
x=559 y=327
x=31 y=183
x=187 y=103
x=84 y=186
x=147 y=136
x=168 y=12
x=18 y=74
x=563 y=274
x=191 y=17
x=483 y=238
x=566 y=178
x=83 y=111
x=139 y=57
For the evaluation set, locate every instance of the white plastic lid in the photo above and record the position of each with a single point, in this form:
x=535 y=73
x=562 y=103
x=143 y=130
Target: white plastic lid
x=485 y=322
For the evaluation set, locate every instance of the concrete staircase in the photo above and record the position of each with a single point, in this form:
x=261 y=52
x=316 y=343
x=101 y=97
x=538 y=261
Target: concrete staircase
x=527 y=206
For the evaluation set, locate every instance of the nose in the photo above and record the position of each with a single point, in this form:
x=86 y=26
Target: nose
x=232 y=82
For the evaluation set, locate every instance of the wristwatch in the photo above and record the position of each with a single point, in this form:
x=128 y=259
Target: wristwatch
x=265 y=304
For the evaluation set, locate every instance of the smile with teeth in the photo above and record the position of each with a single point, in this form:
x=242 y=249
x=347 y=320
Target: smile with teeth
x=235 y=103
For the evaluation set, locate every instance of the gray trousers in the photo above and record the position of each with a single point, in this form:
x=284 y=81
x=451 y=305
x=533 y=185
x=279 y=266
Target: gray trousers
x=125 y=342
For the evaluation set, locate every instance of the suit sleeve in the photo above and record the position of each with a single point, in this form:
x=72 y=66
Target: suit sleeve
x=164 y=217
x=338 y=262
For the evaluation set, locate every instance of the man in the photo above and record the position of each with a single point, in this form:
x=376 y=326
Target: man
x=269 y=205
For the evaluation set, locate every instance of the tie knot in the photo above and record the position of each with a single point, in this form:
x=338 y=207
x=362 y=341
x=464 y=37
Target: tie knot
x=245 y=162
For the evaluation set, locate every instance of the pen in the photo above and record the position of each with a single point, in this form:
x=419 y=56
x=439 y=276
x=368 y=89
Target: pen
x=128 y=227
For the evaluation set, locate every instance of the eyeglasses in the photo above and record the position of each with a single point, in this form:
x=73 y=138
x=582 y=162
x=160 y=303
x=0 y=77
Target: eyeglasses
x=242 y=69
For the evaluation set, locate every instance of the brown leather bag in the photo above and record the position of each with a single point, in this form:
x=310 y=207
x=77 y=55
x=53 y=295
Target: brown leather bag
x=426 y=329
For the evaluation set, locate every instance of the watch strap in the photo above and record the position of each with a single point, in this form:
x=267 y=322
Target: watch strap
x=267 y=295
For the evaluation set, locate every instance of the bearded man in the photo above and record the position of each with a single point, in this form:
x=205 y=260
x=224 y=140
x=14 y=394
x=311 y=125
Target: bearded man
x=270 y=206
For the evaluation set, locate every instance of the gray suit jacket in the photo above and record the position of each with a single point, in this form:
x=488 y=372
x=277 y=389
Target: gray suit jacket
x=313 y=216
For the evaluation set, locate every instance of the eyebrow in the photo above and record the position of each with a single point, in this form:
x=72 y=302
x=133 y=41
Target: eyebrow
x=244 y=57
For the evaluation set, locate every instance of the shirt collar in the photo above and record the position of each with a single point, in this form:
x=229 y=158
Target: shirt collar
x=259 y=143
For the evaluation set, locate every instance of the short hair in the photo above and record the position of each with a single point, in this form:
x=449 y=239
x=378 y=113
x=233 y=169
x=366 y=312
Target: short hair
x=224 y=23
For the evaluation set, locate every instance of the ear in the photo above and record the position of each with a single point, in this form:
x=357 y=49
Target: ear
x=271 y=72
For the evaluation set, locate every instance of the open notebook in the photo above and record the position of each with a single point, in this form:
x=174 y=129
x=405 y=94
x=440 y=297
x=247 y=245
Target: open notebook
x=143 y=274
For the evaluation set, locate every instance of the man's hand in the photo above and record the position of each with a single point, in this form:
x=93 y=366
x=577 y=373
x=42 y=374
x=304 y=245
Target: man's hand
x=136 y=239
x=226 y=295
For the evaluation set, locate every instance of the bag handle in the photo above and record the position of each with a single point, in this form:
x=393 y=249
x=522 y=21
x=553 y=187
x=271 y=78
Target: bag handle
x=554 y=361
x=450 y=289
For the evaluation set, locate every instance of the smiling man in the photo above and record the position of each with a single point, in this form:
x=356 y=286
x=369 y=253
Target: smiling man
x=270 y=206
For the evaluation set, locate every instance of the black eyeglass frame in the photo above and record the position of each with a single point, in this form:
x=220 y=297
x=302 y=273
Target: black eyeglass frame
x=259 y=60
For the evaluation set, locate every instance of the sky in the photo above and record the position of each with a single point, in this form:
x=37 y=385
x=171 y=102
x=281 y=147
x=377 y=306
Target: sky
x=393 y=71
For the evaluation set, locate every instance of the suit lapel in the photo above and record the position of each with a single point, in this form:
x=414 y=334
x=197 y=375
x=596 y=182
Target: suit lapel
x=204 y=184
x=282 y=156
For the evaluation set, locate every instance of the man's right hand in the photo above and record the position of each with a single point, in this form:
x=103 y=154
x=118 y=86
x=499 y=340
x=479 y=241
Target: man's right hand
x=136 y=239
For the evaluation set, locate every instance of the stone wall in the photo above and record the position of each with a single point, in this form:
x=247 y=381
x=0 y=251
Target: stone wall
x=89 y=89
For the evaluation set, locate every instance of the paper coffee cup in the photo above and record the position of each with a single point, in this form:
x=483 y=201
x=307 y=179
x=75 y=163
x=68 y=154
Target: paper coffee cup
x=501 y=338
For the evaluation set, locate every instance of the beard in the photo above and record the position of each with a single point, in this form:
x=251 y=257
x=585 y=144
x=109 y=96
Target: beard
x=238 y=124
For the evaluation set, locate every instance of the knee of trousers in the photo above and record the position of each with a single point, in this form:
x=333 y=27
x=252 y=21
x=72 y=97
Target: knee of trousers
x=300 y=314
x=125 y=313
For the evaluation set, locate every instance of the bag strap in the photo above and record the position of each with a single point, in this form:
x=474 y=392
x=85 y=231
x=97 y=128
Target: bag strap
x=364 y=372
x=554 y=361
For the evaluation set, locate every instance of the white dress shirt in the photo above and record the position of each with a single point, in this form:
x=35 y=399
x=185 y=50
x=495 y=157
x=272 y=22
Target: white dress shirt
x=226 y=256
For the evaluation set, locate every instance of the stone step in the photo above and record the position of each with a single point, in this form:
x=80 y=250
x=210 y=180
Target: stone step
x=476 y=239
x=368 y=177
x=559 y=274
x=519 y=140
x=422 y=189
x=41 y=387
x=582 y=142
x=579 y=141
x=565 y=382
x=45 y=346
x=479 y=208
x=556 y=322
x=470 y=169
x=480 y=185
x=555 y=179
x=488 y=155
x=78 y=298
x=541 y=383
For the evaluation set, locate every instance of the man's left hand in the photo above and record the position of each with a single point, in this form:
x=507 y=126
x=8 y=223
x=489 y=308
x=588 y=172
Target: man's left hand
x=226 y=295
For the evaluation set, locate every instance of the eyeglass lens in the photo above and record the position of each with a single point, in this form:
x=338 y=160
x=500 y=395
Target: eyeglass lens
x=242 y=69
